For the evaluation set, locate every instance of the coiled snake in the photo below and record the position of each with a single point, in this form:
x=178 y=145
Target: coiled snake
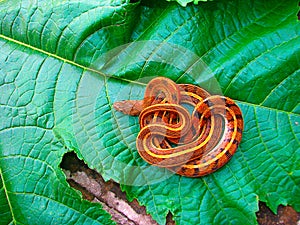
x=192 y=143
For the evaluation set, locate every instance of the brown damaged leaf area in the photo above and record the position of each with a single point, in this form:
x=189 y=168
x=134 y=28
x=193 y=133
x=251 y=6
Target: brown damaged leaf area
x=109 y=195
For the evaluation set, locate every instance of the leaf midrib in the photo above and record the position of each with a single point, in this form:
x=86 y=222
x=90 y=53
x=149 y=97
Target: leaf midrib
x=66 y=60
x=119 y=78
x=7 y=197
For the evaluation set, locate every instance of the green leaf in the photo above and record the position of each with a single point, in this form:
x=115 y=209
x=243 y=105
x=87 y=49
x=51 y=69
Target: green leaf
x=33 y=187
x=63 y=64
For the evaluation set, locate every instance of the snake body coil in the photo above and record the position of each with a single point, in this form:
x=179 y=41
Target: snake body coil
x=190 y=144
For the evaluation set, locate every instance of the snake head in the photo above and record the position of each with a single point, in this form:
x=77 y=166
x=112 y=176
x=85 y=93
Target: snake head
x=129 y=107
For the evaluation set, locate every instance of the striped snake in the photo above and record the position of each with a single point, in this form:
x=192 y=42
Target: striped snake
x=184 y=128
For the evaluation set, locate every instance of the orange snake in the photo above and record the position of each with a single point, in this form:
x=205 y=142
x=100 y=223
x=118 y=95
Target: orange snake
x=192 y=144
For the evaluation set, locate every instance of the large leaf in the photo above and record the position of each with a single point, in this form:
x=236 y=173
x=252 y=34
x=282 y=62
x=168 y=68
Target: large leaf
x=33 y=187
x=63 y=64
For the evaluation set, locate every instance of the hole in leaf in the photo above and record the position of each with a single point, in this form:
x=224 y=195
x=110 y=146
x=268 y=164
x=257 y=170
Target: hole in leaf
x=170 y=220
x=71 y=162
x=109 y=194
x=285 y=215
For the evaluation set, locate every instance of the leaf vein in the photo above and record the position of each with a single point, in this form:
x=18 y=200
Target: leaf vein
x=272 y=157
x=7 y=196
x=236 y=75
